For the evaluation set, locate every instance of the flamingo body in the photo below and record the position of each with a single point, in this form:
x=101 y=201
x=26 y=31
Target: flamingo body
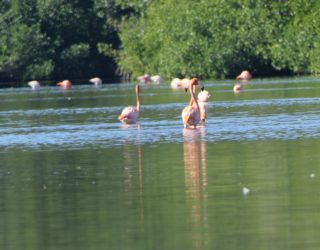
x=96 y=81
x=190 y=116
x=156 y=79
x=178 y=83
x=203 y=98
x=65 y=84
x=185 y=82
x=34 y=84
x=145 y=79
x=203 y=111
x=245 y=75
x=130 y=114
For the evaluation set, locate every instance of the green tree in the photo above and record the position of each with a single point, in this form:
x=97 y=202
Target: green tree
x=59 y=39
x=24 y=49
x=221 y=38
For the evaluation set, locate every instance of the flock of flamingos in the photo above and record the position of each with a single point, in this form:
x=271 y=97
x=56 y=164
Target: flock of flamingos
x=194 y=113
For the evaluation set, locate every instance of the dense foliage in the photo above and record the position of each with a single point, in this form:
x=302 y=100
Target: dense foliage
x=56 y=39
x=220 y=38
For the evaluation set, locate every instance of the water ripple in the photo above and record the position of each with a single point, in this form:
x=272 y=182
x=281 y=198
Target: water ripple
x=224 y=128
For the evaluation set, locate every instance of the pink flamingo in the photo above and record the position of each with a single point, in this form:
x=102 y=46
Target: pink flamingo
x=203 y=98
x=146 y=78
x=178 y=83
x=66 y=84
x=130 y=115
x=245 y=75
x=156 y=79
x=191 y=113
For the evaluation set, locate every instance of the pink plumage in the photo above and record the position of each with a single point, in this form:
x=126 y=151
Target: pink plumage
x=130 y=115
x=191 y=113
x=245 y=75
x=203 y=98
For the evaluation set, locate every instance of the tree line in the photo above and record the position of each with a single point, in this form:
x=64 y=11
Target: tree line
x=77 y=39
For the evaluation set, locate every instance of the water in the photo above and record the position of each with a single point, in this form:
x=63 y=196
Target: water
x=73 y=177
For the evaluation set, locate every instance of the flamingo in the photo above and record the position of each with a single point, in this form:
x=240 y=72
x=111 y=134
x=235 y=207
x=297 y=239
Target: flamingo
x=66 y=84
x=34 y=84
x=203 y=98
x=178 y=83
x=130 y=115
x=96 y=81
x=191 y=113
x=145 y=79
x=156 y=79
x=245 y=75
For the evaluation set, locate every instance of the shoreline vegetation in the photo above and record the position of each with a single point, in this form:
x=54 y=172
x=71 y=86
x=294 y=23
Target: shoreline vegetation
x=121 y=40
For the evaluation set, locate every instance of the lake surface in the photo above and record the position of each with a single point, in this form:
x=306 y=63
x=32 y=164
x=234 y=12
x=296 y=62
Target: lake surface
x=73 y=177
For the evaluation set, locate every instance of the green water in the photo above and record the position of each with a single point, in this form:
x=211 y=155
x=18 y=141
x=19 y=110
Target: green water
x=73 y=177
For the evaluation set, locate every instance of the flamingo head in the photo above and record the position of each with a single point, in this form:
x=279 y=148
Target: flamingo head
x=195 y=81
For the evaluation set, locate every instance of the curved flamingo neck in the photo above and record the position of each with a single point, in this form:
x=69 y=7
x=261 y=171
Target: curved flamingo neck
x=138 y=96
x=192 y=89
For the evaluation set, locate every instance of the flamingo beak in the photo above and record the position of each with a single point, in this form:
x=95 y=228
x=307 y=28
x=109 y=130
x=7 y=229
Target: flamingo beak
x=202 y=88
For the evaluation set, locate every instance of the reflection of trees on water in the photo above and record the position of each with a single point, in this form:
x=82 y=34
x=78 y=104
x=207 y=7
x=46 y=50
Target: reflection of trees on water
x=194 y=148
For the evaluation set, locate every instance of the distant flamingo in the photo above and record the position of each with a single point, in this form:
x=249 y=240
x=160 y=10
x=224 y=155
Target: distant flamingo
x=156 y=79
x=245 y=75
x=203 y=98
x=130 y=115
x=191 y=113
x=34 y=84
x=178 y=83
x=185 y=82
x=146 y=78
x=237 y=88
x=96 y=81
x=66 y=84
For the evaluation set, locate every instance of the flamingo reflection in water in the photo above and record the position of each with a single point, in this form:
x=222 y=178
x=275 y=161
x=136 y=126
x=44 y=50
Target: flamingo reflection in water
x=237 y=88
x=133 y=172
x=195 y=169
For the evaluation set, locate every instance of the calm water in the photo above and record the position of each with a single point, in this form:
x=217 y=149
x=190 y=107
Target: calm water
x=73 y=177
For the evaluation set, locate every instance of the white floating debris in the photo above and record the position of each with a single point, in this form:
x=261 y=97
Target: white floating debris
x=312 y=175
x=245 y=191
